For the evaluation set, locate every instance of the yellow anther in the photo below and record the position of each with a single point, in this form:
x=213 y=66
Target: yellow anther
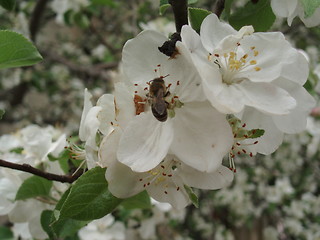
x=245 y=56
x=225 y=55
x=253 y=62
x=252 y=48
x=209 y=57
x=257 y=69
x=255 y=53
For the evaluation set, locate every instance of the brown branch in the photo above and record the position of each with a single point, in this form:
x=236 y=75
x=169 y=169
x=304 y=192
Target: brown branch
x=180 y=11
x=50 y=176
x=219 y=7
x=36 y=17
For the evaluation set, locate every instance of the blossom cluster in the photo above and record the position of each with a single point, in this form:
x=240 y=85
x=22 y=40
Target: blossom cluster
x=172 y=119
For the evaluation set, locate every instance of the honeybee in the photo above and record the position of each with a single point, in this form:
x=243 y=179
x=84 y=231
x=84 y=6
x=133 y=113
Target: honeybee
x=157 y=93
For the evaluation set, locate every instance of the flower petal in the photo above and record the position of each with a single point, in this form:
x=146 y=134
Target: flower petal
x=202 y=136
x=108 y=147
x=213 y=31
x=145 y=142
x=86 y=107
x=107 y=113
x=220 y=178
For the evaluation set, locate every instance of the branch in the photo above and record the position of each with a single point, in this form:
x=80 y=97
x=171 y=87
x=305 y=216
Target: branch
x=50 y=176
x=219 y=7
x=35 y=18
x=180 y=11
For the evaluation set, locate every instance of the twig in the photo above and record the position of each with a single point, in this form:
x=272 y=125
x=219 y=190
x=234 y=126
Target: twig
x=50 y=176
x=180 y=11
x=36 y=17
x=219 y=7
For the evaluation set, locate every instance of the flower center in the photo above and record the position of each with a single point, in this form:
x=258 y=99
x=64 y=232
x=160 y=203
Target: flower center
x=231 y=64
x=161 y=176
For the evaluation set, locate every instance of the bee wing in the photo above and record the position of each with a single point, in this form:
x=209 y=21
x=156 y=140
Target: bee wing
x=160 y=105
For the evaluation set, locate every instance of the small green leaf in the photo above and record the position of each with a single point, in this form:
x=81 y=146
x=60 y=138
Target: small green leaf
x=33 y=187
x=16 y=50
x=45 y=221
x=89 y=197
x=310 y=7
x=164 y=4
x=109 y=3
x=192 y=196
x=196 y=17
x=81 y=20
x=8 y=4
x=63 y=159
x=227 y=8
x=255 y=133
x=259 y=15
x=141 y=200
x=2 y=112
x=6 y=234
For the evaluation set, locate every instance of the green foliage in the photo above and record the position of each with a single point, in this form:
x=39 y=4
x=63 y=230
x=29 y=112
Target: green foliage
x=109 y=3
x=310 y=6
x=141 y=200
x=34 y=187
x=16 y=50
x=89 y=197
x=63 y=159
x=2 y=112
x=259 y=15
x=8 y=4
x=6 y=234
x=192 y=196
x=196 y=16
x=227 y=8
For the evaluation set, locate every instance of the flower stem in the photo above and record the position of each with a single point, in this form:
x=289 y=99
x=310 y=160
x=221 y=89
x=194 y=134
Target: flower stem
x=180 y=11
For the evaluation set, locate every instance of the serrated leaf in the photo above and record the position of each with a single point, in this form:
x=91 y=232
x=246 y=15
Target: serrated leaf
x=89 y=197
x=6 y=234
x=2 y=112
x=192 y=196
x=34 y=187
x=16 y=50
x=141 y=200
x=259 y=15
x=310 y=7
x=196 y=17
x=8 y=4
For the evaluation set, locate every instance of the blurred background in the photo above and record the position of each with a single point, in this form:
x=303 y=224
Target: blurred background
x=272 y=197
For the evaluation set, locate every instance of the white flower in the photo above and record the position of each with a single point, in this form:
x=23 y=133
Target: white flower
x=257 y=76
x=165 y=182
x=194 y=131
x=291 y=8
x=103 y=229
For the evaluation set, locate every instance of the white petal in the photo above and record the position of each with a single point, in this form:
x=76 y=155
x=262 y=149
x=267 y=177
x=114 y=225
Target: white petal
x=191 y=39
x=296 y=120
x=272 y=137
x=108 y=148
x=266 y=97
x=145 y=142
x=273 y=52
x=284 y=8
x=86 y=107
x=202 y=136
x=220 y=178
x=141 y=56
x=91 y=126
x=213 y=31
x=122 y=181
x=107 y=113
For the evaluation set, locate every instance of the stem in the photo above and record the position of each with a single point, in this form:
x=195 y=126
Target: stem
x=36 y=17
x=50 y=176
x=180 y=11
x=219 y=7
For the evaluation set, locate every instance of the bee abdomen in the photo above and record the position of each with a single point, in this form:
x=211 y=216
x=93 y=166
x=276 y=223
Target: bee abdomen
x=161 y=117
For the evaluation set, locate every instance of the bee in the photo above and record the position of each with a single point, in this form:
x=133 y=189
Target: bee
x=157 y=93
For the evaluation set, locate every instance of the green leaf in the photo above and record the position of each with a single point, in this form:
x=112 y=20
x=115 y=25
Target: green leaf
x=16 y=50
x=227 y=8
x=89 y=197
x=33 y=187
x=6 y=234
x=259 y=15
x=109 y=3
x=8 y=4
x=2 y=112
x=63 y=159
x=141 y=200
x=45 y=221
x=81 y=20
x=192 y=196
x=310 y=6
x=196 y=16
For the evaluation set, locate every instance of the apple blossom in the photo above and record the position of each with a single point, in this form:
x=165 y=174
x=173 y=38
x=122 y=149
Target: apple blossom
x=194 y=131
